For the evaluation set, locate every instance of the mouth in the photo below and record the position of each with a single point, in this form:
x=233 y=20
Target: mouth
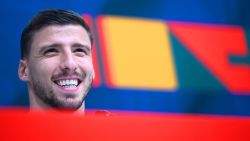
x=68 y=83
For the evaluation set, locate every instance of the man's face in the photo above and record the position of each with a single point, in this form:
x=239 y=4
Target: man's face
x=60 y=69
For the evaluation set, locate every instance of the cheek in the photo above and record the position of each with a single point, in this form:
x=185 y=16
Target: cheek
x=86 y=65
x=45 y=68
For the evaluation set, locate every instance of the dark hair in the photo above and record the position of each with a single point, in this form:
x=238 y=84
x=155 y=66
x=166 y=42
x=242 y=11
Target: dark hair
x=46 y=18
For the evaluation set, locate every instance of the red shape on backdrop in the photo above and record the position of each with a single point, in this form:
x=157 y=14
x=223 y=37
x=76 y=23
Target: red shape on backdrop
x=212 y=45
x=97 y=80
x=104 y=49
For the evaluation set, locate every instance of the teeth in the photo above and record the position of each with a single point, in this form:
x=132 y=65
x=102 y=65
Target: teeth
x=72 y=82
x=65 y=83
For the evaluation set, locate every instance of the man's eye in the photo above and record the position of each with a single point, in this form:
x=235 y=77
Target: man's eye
x=80 y=52
x=50 y=52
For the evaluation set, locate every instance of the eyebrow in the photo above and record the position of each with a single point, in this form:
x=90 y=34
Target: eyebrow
x=54 y=45
x=88 y=48
x=57 y=45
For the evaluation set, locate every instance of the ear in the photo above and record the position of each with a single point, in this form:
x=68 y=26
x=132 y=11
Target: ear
x=94 y=74
x=23 y=70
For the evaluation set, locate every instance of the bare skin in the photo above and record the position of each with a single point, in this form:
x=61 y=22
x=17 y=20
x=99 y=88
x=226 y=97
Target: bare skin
x=59 y=70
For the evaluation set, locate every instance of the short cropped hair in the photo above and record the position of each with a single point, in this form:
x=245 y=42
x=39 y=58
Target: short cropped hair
x=46 y=18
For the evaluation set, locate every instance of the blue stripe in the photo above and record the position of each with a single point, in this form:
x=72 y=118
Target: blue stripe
x=200 y=102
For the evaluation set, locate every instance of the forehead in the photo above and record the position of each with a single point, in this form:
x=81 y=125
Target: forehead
x=61 y=34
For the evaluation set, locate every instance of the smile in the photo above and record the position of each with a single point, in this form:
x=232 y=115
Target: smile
x=68 y=83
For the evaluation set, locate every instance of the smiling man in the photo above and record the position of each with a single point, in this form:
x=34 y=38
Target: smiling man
x=56 y=60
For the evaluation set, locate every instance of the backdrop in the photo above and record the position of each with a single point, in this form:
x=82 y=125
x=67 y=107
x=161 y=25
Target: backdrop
x=158 y=56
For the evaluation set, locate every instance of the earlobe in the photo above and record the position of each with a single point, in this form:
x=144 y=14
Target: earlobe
x=94 y=75
x=23 y=72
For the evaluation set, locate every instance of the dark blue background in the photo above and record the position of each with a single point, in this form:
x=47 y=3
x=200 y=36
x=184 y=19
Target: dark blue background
x=15 y=14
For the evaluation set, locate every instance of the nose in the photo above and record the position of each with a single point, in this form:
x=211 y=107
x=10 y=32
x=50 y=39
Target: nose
x=68 y=62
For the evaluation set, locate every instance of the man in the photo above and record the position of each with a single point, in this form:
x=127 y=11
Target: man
x=56 y=60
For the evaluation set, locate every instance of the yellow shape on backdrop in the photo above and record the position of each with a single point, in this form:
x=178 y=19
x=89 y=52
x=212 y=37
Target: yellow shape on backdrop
x=139 y=53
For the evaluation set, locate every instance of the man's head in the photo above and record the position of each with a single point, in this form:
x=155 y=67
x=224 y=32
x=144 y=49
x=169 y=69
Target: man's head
x=56 y=59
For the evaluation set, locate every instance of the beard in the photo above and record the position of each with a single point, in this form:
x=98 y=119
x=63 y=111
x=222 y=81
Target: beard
x=48 y=96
